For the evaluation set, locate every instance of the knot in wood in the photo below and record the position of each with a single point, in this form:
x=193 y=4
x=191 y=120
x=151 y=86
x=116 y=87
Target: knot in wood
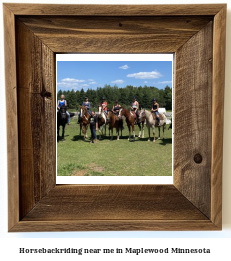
x=198 y=158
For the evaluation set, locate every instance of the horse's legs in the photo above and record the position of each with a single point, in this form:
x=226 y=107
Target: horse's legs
x=139 y=130
x=111 y=131
x=159 y=133
x=86 y=127
x=118 y=133
x=143 y=129
x=148 y=133
x=129 y=129
x=101 y=131
x=63 y=132
x=58 y=134
x=84 y=132
x=99 y=135
x=163 y=130
x=133 y=131
x=153 y=131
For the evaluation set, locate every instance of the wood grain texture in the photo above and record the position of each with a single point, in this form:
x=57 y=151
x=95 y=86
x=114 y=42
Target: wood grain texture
x=114 y=225
x=115 y=34
x=113 y=202
x=36 y=112
x=194 y=201
x=115 y=10
x=114 y=207
x=11 y=117
x=218 y=114
x=193 y=121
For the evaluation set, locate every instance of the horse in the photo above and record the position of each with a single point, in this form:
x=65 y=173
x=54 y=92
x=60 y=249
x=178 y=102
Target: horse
x=130 y=119
x=114 y=122
x=84 y=121
x=102 y=121
x=151 y=121
x=61 y=121
x=139 y=121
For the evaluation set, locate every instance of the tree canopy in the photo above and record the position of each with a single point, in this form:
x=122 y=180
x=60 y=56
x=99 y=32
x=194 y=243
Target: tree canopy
x=144 y=96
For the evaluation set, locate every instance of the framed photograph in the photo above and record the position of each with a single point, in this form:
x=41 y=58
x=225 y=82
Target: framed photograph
x=34 y=34
x=128 y=80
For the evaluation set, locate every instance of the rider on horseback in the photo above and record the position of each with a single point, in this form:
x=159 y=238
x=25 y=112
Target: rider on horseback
x=103 y=104
x=135 y=107
x=86 y=104
x=115 y=109
x=63 y=102
x=154 y=109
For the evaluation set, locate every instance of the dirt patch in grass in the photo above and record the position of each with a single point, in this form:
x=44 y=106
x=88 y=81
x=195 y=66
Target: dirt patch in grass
x=97 y=168
x=92 y=167
x=79 y=173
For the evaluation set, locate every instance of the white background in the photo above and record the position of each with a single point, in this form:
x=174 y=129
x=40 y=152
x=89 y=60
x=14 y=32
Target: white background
x=219 y=242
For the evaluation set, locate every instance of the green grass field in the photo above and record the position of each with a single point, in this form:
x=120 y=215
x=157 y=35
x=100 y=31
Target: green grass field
x=76 y=157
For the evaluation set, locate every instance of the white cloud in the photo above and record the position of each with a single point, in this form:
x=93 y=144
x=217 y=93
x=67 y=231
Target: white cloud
x=145 y=81
x=71 y=83
x=71 y=80
x=92 y=82
x=124 y=67
x=118 y=81
x=145 y=75
x=165 y=82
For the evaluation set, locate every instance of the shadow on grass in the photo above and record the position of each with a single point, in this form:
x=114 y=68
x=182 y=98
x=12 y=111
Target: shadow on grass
x=60 y=138
x=166 y=141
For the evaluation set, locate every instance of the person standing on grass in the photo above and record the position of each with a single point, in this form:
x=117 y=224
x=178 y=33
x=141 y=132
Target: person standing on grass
x=63 y=102
x=93 y=126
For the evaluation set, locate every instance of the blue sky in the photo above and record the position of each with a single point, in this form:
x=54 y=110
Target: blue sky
x=92 y=74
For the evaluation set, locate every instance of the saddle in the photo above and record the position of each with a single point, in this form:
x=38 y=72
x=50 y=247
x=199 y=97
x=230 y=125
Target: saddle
x=161 y=116
x=134 y=114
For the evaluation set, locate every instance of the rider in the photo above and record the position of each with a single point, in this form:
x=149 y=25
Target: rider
x=154 y=109
x=87 y=105
x=103 y=104
x=115 y=109
x=63 y=102
x=135 y=107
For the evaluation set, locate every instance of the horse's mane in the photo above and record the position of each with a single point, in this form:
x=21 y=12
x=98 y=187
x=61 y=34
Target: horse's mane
x=84 y=109
x=63 y=107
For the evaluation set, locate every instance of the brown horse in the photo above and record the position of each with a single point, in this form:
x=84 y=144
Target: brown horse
x=84 y=121
x=130 y=119
x=114 y=122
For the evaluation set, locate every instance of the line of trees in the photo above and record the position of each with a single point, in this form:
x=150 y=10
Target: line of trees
x=144 y=96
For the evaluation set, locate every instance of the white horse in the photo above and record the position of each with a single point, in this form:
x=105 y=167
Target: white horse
x=102 y=120
x=151 y=122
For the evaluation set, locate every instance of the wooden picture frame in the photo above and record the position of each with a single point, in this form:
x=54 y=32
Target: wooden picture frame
x=33 y=34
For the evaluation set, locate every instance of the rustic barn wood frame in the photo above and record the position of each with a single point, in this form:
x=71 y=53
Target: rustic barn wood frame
x=34 y=33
